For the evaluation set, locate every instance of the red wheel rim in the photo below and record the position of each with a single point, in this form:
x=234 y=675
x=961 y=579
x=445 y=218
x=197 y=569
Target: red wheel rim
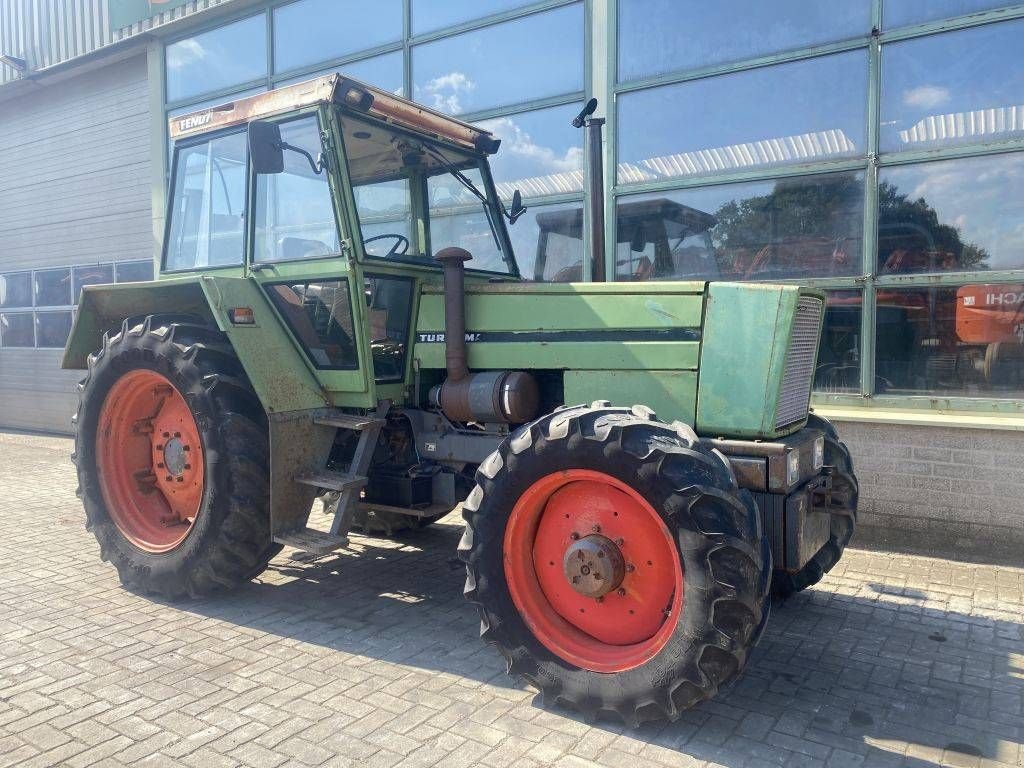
x=149 y=459
x=549 y=526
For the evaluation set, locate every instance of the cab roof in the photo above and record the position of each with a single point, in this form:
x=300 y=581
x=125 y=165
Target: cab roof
x=352 y=94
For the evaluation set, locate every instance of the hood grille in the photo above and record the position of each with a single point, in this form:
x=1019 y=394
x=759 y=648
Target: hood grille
x=799 y=372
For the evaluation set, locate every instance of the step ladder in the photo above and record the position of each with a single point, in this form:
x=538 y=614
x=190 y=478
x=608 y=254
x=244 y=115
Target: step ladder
x=347 y=484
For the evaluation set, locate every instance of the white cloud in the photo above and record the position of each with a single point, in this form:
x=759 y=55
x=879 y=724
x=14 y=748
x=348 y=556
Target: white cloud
x=443 y=92
x=518 y=143
x=926 y=96
x=184 y=53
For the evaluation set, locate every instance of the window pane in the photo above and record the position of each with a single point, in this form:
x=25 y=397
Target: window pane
x=952 y=216
x=294 y=212
x=548 y=242
x=53 y=287
x=804 y=111
x=899 y=13
x=839 y=354
x=16 y=289
x=486 y=68
x=658 y=36
x=389 y=306
x=385 y=214
x=962 y=87
x=951 y=341
x=541 y=153
x=208 y=204
x=384 y=71
x=90 y=274
x=134 y=271
x=52 y=329
x=428 y=15
x=316 y=30
x=320 y=316
x=16 y=329
x=220 y=58
x=458 y=219
x=802 y=227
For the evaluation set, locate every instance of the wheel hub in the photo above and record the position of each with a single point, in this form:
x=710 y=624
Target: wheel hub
x=176 y=456
x=594 y=566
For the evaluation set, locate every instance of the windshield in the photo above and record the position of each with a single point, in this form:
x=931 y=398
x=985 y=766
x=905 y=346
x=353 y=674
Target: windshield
x=415 y=197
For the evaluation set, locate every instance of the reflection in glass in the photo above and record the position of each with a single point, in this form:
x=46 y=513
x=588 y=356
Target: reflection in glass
x=294 y=213
x=839 y=354
x=548 y=242
x=214 y=102
x=225 y=56
x=659 y=36
x=316 y=30
x=208 y=204
x=458 y=219
x=389 y=309
x=960 y=87
x=952 y=216
x=800 y=227
x=541 y=153
x=899 y=13
x=486 y=67
x=16 y=289
x=800 y=112
x=90 y=274
x=16 y=329
x=134 y=271
x=384 y=72
x=53 y=287
x=52 y=329
x=319 y=313
x=954 y=341
x=428 y=15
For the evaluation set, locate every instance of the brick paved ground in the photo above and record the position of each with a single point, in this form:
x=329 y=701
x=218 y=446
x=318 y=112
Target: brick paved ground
x=373 y=660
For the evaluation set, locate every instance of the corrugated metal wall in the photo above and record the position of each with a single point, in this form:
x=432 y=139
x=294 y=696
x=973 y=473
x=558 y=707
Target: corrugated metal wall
x=74 y=189
x=49 y=32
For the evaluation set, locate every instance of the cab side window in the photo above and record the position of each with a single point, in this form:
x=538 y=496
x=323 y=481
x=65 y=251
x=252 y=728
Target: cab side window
x=207 y=227
x=294 y=213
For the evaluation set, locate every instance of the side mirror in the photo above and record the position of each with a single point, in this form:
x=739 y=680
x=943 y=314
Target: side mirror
x=265 y=147
x=517 y=209
x=638 y=242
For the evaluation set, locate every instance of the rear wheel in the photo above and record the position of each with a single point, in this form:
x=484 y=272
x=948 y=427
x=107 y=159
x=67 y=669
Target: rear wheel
x=172 y=458
x=614 y=562
x=843 y=508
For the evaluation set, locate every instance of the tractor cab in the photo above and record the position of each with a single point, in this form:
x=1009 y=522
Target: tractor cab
x=334 y=197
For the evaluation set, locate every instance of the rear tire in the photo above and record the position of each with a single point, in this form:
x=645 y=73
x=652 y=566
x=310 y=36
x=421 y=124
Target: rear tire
x=711 y=527
x=229 y=539
x=845 y=493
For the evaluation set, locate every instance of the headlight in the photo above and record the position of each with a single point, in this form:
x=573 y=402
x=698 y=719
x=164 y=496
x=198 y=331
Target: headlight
x=819 y=453
x=792 y=467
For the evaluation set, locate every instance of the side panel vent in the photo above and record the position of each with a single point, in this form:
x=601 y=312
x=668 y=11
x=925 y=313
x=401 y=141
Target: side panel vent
x=800 y=357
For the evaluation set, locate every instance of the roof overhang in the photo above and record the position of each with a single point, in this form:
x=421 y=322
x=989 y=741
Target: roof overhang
x=353 y=95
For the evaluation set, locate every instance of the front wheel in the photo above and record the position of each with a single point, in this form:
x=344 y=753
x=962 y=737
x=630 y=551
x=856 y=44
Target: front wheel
x=615 y=563
x=172 y=457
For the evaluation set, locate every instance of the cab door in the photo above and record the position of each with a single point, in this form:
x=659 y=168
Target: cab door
x=299 y=252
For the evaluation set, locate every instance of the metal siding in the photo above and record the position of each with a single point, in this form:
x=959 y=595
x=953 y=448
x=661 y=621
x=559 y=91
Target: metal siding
x=74 y=189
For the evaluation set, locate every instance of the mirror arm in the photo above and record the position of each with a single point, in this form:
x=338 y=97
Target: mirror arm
x=317 y=165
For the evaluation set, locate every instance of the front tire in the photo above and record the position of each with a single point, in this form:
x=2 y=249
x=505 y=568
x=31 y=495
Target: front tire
x=171 y=450
x=607 y=484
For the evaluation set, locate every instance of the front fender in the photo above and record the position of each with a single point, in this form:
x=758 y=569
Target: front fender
x=277 y=370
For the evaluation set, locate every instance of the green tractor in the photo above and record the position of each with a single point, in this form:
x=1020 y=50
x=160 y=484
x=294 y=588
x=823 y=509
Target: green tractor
x=339 y=315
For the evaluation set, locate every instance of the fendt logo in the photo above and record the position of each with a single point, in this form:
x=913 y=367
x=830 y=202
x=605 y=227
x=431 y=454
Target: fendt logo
x=194 y=121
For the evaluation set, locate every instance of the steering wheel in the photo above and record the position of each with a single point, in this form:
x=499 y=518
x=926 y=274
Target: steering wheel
x=401 y=241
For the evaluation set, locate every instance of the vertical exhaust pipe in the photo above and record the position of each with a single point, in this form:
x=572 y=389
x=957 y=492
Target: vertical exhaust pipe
x=595 y=186
x=488 y=396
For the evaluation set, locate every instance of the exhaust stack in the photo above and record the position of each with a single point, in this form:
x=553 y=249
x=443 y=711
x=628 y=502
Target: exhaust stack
x=511 y=397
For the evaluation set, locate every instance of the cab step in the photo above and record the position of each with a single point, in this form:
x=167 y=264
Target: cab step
x=348 y=421
x=313 y=541
x=333 y=481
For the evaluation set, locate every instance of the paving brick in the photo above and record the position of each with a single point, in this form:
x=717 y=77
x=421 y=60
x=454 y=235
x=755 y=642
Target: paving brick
x=372 y=659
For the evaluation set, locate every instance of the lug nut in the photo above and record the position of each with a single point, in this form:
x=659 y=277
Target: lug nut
x=630 y=567
x=159 y=447
x=186 y=447
x=596 y=529
x=181 y=479
x=574 y=535
x=169 y=478
x=619 y=541
x=177 y=434
x=575 y=579
x=599 y=599
x=621 y=592
x=188 y=466
x=160 y=465
x=167 y=434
